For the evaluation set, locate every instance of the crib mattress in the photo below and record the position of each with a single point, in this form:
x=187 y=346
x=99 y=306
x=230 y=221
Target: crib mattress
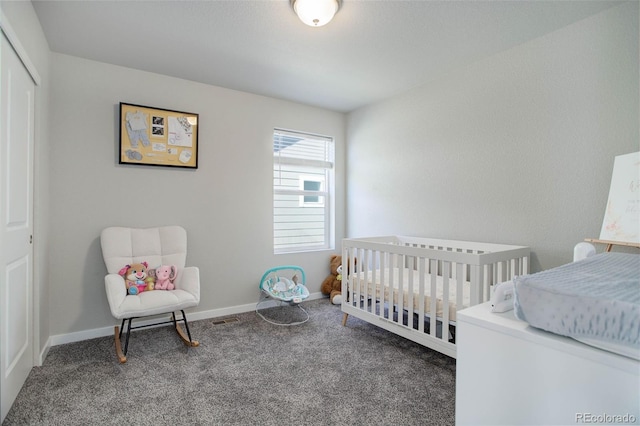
x=365 y=278
x=595 y=300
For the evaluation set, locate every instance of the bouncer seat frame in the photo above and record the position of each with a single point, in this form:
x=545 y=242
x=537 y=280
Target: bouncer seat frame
x=283 y=290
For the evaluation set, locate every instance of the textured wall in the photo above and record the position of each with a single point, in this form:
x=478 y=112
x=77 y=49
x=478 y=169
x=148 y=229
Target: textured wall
x=517 y=148
x=225 y=204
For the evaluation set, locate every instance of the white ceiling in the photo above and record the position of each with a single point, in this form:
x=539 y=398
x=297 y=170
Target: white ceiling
x=370 y=51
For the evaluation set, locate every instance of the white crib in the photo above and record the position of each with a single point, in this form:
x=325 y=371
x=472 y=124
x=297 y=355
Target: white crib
x=414 y=286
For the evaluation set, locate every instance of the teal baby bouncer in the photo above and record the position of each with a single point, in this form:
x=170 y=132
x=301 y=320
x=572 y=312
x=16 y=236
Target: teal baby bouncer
x=281 y=290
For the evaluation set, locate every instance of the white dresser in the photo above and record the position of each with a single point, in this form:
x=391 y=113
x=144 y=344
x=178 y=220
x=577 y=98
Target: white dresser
x=509 y=373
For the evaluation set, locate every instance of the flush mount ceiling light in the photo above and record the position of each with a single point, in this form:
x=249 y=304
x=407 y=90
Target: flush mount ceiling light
x=315 y=13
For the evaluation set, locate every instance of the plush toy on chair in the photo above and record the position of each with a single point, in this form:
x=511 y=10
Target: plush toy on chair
x=136 y=278
x=164 y=275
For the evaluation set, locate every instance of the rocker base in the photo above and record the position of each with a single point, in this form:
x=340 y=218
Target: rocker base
x=185 y=337
x=121 y=357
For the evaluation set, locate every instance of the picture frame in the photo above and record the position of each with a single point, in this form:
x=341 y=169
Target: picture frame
x=158 y=137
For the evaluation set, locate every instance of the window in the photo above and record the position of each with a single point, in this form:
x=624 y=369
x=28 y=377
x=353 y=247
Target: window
x=311 y=184
x=302 y=191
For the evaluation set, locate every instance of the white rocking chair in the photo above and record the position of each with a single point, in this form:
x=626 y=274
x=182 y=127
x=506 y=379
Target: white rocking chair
x=157 y=246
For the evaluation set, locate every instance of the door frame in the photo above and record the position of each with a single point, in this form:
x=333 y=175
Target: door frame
x=12 y=37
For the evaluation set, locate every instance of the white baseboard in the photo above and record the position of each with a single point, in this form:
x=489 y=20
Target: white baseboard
x=61 y=339
x=43 y=353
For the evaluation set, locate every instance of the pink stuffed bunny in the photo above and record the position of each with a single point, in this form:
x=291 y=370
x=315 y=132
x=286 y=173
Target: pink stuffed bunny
x=165 y=275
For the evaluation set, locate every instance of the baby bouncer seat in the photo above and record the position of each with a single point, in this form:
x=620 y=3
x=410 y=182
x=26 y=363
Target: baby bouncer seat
x=281 y=290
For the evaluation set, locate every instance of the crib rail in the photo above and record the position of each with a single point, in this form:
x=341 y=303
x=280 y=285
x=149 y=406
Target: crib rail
x=414 y=286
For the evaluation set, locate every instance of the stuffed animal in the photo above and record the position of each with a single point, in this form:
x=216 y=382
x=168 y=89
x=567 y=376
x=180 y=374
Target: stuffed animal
x=164 y=275
x=136 y=278
x=332 y=285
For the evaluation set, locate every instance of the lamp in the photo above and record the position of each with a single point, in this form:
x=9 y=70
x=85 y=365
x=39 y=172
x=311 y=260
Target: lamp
x=315 y=13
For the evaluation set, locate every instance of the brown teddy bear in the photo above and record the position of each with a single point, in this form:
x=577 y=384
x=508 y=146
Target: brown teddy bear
x=137 y=278
x=332 y=285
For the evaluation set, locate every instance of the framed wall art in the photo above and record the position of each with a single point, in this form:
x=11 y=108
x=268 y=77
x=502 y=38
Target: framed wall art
x=158 y=137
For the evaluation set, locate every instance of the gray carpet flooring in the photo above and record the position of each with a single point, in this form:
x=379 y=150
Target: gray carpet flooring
x=245 y=372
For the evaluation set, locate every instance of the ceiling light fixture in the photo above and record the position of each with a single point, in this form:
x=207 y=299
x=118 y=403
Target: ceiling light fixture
x=315 y=13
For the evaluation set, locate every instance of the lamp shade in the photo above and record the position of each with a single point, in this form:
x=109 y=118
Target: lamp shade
x=315 y=13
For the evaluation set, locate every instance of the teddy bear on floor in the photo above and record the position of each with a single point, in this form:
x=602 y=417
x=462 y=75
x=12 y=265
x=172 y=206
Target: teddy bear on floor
x=136 y=278
x=332 y=285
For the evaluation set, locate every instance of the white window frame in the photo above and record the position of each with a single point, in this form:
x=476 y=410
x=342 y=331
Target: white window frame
x=316 y=193
x=289 y=231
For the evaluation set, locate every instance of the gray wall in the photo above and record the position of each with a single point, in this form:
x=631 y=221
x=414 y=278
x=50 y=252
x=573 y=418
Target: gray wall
x=517 y=148
x=225 y=205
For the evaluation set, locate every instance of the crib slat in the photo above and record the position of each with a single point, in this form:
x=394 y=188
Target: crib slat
x=422 y=273
x=380 y=275
x=371 y=261
x=358 y=254
x=446 y=272
x=387 y=282
x=345 y=277
x=400 y=306
x=355 y=278
x=367 y=290
x=501 y=272
x=410 y=269
x=476 y=285
x=460 y=283
x=434 y=299
x=488 y=280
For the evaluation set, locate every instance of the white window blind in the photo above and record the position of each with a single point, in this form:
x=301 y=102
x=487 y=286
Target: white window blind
x=302 y=191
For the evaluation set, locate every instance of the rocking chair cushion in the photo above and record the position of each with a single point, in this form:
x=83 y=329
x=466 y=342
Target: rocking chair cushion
x=123 y=305
x=165 y=245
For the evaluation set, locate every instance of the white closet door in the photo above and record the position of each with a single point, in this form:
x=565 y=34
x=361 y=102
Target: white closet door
x=16 y=224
